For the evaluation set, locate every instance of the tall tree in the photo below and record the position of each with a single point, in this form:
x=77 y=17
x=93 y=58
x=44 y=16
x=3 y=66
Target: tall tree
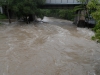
x=23 y=7
x=8 y=4
x=26 y=7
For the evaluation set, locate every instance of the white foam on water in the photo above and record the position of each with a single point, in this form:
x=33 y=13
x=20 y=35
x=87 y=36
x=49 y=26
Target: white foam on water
x=86 y=32
x=46 y=19
x=39 y=19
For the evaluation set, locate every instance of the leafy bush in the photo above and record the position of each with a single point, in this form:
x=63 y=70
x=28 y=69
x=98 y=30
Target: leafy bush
x=97 y=36
x=92 y=5
x=62 y=13
x=97 y=32
x=59 y=13
x=66 y=14
x=97 y=27
x=2 y=16
x=45 y=12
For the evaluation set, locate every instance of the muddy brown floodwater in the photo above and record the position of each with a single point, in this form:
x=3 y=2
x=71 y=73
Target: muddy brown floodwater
x=56 y=47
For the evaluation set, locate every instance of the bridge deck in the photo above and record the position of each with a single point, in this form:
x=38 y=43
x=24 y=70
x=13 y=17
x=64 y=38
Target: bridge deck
x=62 y=2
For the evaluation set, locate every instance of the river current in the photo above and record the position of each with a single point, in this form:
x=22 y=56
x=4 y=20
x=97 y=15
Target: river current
x=51 y=47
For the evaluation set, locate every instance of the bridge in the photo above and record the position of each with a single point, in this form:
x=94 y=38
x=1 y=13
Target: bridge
x=60 y=3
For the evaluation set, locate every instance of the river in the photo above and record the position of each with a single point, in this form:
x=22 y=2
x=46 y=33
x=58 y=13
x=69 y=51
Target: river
x=52 y=47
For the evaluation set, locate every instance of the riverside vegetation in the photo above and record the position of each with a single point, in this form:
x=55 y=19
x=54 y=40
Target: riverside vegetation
x=31 y=6
x=94 y=7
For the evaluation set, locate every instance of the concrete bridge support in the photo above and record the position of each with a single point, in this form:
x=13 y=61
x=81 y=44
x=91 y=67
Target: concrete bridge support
x=79 y=20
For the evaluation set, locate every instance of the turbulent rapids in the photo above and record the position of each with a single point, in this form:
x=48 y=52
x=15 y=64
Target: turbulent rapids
x=50 y=47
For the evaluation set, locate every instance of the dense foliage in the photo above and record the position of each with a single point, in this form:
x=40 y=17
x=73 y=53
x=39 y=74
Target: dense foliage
x=26 y=7
x=67 y=14
x=93 y=5
x=60 y=13
x=23 y=7
x=2 y=16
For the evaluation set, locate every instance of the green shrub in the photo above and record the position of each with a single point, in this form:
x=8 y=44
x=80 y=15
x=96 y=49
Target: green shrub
x=93 y=6
x=97 y=36
x=62 y=14
x=66 y=14
x=96 y=29
x=2 y=16
x=59 y=13
x=46 y=12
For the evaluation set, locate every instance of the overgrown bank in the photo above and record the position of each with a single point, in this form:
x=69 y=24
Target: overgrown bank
x=59 y=13
x=93 y=5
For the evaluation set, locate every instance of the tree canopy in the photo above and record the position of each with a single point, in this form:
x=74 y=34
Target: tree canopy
x=23 y=7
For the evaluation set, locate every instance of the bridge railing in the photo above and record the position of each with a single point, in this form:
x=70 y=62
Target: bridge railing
x=62 y=2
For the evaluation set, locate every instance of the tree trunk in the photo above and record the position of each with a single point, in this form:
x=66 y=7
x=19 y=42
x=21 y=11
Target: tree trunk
x=8 y=14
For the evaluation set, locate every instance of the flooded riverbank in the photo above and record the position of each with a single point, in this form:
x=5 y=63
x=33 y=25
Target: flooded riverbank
x=56 y=47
